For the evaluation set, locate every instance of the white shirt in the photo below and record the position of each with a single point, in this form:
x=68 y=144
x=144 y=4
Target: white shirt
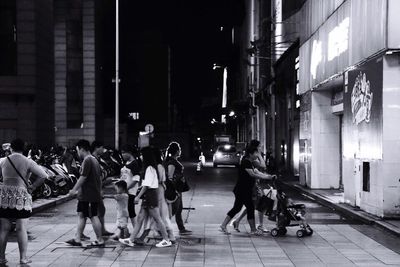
x=150 y=178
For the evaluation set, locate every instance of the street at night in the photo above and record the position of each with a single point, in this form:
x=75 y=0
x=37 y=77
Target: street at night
x=199 y=133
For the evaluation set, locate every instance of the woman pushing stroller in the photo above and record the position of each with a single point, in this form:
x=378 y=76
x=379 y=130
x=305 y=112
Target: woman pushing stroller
x=244 y=189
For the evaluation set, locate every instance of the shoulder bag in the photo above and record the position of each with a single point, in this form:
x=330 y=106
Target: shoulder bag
x=23 y=179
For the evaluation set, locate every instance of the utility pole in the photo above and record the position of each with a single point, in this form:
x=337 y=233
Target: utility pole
x=117 y=74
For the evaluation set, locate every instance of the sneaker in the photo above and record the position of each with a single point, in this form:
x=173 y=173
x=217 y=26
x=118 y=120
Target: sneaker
x=262 y=229
x=164 y=243
x=185 y=232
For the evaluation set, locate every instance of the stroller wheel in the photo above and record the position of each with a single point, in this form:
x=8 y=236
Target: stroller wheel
x=300 y=233
x=310 y=231
x=274 y=232
x=282 y=231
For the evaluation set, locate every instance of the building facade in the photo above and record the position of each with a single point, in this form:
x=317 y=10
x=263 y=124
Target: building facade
x=48 y=73
x=349 y=89
x=26 y=72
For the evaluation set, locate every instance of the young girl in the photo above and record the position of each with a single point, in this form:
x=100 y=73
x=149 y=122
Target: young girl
x=122 y=210
x=150 y=202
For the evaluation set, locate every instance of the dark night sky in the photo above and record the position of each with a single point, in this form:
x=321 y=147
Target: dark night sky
x=191 y=29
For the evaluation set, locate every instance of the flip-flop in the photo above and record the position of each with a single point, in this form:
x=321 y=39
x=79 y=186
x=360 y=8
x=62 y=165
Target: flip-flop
x=97 y=244
x=25 y=261
x=126 y=242
x=236 y=226
x=224 y=230
x=72 y=242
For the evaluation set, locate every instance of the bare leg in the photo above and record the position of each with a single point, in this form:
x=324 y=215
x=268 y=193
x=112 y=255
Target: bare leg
x=241 y=216
x=5 y=226
x=81 y=227
x=155 y=213
x=97 y=228
x=140 y=218
x=225 y=222
x=252 y=224
x=133 y=222
x=261 y=217
x=22 y=236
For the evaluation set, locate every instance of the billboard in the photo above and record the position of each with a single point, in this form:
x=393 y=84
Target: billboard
x=362 y=111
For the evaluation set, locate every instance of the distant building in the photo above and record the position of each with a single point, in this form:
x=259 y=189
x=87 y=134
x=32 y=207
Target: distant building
x=48 y=71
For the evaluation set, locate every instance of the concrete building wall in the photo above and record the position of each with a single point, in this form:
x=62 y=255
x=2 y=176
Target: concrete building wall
x=389 y=173
x=65 y=135
x=325 y=130
x=26 y=97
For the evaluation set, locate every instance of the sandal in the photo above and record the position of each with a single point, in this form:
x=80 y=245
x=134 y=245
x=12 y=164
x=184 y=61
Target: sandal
x=97 y=244
x=25 y=261
x=74 y=243
x=236 y=226
x=256 y=233
x=127 y=242
x=224 y=230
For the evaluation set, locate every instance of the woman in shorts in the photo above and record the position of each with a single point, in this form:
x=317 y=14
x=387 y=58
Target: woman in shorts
x=150 y=201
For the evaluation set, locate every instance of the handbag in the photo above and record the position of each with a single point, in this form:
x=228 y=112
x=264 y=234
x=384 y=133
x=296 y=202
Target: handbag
x=182 y=185
x=265 y=203
x=170 y=192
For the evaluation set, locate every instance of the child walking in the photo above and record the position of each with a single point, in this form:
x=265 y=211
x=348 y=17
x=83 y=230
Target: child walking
x=122 y=210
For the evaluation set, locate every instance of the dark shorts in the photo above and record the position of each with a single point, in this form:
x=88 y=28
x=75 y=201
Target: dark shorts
x=88 y=209
x=150 y=200
x=14 y=213
x=131 y=206
x=102 y=208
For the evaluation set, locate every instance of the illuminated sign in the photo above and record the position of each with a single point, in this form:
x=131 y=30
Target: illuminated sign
x=338 y=40
x=316 y=57
x=134 y=115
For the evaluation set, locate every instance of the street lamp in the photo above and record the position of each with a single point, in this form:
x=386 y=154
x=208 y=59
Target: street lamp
x=224 y=89
x=117 y=74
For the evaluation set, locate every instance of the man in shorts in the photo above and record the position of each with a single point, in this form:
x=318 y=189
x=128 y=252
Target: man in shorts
x=97 y=149
x=88 y=189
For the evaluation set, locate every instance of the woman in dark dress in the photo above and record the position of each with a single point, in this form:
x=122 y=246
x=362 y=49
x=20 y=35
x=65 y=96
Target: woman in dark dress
x=175 y=172
x=244 y=189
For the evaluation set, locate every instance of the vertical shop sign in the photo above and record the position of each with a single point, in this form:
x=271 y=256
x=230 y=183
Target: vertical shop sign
x=363 y=111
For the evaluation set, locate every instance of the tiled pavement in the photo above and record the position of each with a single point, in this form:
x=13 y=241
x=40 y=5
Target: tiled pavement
x=331 y=245
x=336 y=240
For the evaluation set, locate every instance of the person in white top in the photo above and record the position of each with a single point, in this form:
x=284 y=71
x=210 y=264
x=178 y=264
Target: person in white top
x=150 y=201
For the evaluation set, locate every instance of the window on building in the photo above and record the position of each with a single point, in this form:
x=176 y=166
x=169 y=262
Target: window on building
x=74 y=79
x=8 y=38
x=366 y=176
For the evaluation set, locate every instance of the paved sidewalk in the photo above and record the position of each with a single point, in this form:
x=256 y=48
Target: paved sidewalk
x=330 y=245
x=336 y=240
x=335 y=199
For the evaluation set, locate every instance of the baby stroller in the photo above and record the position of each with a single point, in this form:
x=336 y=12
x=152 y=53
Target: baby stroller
x=288 y=212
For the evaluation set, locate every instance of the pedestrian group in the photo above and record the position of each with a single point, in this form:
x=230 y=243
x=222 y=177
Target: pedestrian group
x=148 y=177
